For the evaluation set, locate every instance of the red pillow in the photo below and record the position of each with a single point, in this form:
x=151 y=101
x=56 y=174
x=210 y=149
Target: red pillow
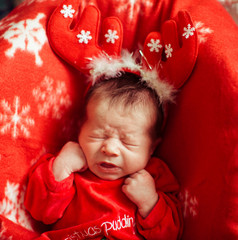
x=41 y=100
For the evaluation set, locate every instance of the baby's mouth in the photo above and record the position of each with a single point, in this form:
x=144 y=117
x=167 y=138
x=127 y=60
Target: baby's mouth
x=108 y=168
x=108 y=165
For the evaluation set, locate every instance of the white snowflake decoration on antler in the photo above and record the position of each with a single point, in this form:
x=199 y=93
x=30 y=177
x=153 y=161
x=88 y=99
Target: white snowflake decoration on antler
x=168 y=50
x=154 y=45
x=67 y=11
x=188 y=31
x=84 y=36
x=15 y=118
x=111 y=36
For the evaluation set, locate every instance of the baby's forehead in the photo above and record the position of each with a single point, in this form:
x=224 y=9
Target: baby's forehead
x=102 y=110
x=126 y=120
x=145 y=105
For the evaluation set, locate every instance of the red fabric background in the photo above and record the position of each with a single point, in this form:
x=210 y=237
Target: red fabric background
x=200 y=139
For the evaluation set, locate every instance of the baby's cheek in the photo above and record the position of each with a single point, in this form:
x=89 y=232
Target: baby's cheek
x=135 y=164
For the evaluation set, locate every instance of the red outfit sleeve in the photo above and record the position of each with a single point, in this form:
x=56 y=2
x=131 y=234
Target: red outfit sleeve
x=46 y=199
x=165 y=220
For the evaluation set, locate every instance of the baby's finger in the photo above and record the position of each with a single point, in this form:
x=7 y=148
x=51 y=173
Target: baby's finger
x=124 y=189
x=138 y=174
x=127 y=180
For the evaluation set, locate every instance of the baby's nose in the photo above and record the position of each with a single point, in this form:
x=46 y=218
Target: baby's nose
x=110 y=147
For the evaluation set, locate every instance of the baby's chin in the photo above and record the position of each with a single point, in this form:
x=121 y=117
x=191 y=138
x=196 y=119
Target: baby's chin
x=107 y=176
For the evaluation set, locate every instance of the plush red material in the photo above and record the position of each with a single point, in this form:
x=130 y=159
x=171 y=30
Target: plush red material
x=78 y=43
x=99 y=208
x=41 y=101
x=179 y=40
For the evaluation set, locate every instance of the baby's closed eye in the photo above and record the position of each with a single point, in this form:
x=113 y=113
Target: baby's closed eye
x=129 y=143
x=97 y=137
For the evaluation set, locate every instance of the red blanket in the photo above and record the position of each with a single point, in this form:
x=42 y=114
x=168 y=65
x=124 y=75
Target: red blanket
x=40 y=102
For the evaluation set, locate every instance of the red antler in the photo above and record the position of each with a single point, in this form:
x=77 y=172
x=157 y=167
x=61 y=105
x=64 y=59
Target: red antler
x=79 y=44
x=75 y=39
x=179 y=59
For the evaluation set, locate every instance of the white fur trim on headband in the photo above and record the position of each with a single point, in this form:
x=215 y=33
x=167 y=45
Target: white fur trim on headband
x=110 y=68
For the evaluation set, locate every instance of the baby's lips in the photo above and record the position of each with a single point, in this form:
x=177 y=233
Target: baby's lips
x=108 y=165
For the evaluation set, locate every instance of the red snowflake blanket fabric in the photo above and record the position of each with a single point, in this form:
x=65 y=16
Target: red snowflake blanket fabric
x=40 y=103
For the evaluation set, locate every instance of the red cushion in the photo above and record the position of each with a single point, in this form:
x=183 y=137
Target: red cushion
x=40 y=102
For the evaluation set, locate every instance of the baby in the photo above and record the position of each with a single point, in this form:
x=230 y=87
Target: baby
x=108 y=185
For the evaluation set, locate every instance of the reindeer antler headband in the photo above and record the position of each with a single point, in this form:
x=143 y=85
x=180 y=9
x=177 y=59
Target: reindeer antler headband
x=79 y=46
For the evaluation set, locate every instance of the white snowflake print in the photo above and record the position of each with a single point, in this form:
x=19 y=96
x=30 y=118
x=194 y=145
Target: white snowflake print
x=67 y=11
x=3 y=233
x=29 y=2
x=133 y=7
x=52 y=98
x=154 y=45
x=12 y=205
x=26 y=35
x=5 y=22
x=111 y=36
x=168 y=50
x=15 y=119
x=202 y=31
x=189 y=204
x=188 y=31
x=84 y=36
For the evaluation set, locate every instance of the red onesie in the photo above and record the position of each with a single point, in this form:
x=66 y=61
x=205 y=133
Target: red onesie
x=86 y=207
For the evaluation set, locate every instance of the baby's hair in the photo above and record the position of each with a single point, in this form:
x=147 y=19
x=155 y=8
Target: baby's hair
x=130 y=91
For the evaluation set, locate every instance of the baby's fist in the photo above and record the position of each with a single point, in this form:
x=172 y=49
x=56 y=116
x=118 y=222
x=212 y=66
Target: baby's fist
x=70 y=159
x=140 y=189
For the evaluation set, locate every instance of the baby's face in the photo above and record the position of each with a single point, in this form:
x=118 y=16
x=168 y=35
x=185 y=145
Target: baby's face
x=116 y=141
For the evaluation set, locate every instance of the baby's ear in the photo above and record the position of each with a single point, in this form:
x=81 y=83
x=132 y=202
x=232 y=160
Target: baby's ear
x=155 y=145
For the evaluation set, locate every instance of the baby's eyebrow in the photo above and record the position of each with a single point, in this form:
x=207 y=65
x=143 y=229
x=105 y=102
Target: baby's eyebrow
x=98 y=130
x=128 y=136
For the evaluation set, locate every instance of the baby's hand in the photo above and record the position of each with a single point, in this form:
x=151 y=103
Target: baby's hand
x=70 y=159
x=140 y=189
